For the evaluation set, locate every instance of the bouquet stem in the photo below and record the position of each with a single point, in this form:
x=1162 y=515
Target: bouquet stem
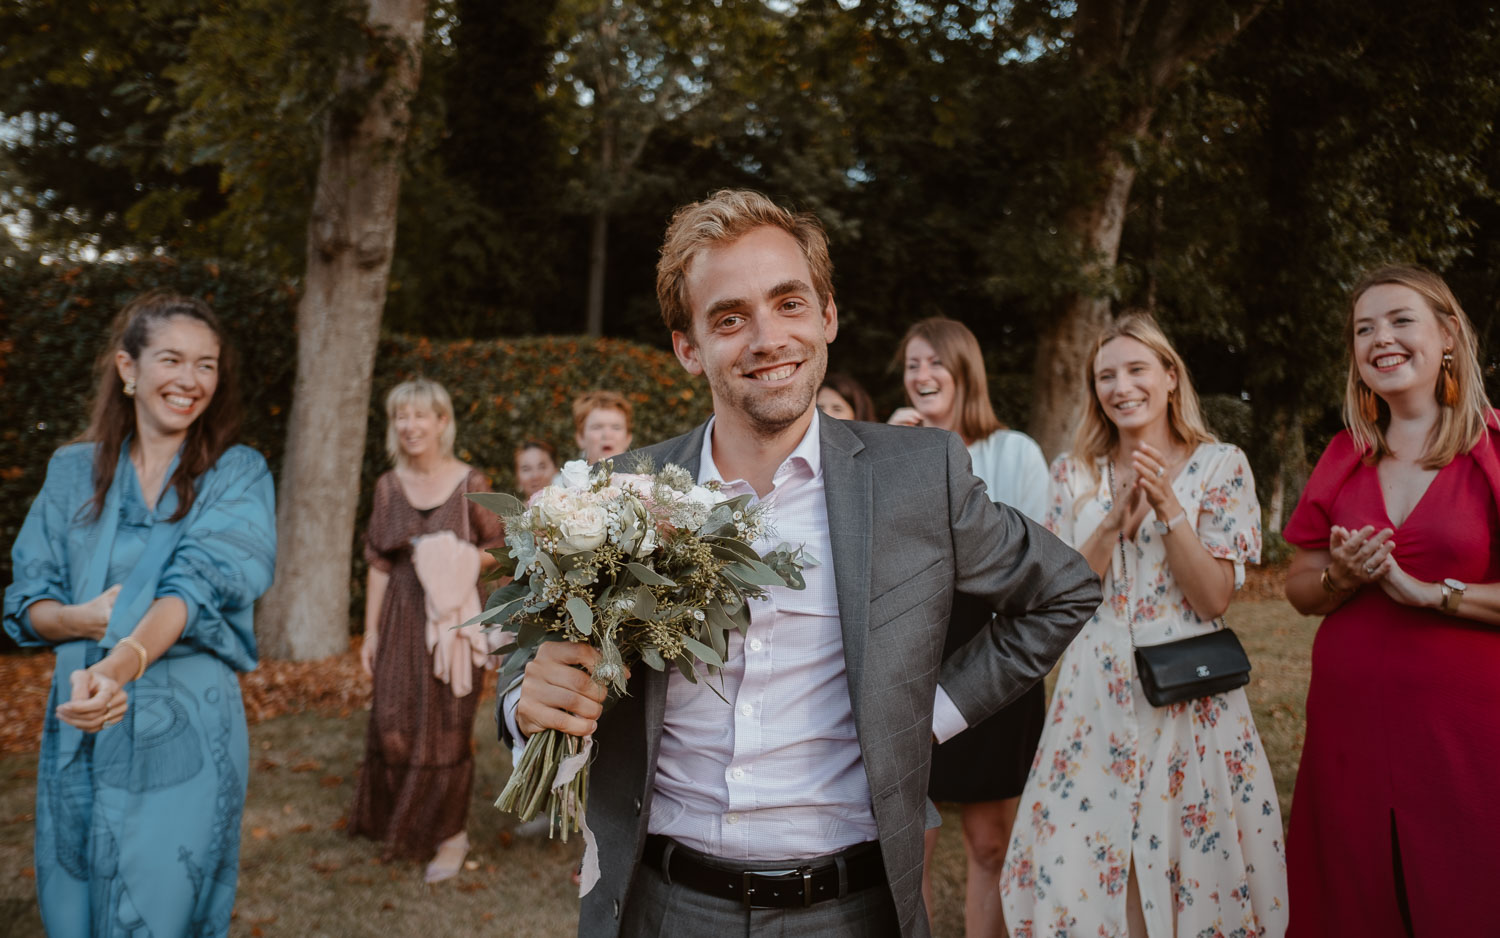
x=531 y=784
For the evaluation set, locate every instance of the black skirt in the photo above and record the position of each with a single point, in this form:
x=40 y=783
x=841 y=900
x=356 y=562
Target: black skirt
x=990 y=761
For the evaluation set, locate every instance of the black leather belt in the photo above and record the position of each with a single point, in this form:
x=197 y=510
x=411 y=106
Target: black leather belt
x=799 y=884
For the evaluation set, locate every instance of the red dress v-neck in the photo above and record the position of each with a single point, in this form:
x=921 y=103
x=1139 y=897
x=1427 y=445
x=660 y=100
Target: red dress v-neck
x=1403 y=717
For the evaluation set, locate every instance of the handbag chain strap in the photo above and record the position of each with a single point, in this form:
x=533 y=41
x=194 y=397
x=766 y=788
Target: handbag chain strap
x=1124 y=574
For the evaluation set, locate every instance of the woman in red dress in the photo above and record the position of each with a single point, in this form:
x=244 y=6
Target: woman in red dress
x=1395 y=818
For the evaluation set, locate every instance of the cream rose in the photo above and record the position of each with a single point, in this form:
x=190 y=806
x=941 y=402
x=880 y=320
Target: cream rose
x=583 y=528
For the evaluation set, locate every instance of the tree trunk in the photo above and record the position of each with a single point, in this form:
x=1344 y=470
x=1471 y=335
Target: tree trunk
x=1060 y=366
x=351 y=234
x=598 y=254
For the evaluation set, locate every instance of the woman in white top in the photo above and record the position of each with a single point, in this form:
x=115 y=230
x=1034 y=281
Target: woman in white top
x=983 y=768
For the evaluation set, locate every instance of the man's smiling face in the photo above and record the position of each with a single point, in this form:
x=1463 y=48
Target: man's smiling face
x=759 y=331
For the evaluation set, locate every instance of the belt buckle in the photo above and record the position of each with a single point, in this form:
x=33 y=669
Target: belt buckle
x=748 y=877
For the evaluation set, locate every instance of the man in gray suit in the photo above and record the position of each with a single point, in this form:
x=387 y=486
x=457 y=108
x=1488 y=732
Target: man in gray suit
x=798 y=808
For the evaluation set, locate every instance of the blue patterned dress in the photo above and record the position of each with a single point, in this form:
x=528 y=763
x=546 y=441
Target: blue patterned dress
x=138 y=826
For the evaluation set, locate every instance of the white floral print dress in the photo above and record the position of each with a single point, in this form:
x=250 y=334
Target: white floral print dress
x=1185 y=789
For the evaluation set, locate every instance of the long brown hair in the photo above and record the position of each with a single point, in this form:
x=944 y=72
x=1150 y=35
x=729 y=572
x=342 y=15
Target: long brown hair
x=959 y=352
x=1097 y=434
x=1458 y=428
x=113 y=416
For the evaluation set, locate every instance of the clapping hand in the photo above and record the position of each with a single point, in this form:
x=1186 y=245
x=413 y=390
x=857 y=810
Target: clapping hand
x=1130 y=504
x=98 y=701
x=1360 y=557
x=1153 y=478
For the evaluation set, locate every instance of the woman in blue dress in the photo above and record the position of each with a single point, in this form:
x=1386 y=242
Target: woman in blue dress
x=138 y=563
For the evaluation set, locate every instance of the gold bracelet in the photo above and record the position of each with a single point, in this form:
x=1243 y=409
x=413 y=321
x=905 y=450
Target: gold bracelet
x=130 y=641
x=1328 y=584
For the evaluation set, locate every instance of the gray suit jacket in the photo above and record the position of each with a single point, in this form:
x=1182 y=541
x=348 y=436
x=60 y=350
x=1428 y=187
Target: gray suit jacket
x=911 y=526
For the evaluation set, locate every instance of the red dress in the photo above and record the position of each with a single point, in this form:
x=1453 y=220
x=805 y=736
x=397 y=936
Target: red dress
x=1403 y=717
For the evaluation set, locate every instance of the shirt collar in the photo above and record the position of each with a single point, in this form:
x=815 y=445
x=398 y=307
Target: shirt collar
x=808 y=453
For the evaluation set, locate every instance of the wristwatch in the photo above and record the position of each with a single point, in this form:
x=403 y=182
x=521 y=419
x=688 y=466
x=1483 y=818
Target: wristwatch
x=1165 y=527
x=1453 y=594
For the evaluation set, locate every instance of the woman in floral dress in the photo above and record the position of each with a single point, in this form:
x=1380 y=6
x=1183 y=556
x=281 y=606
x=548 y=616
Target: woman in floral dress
x=1140 y=820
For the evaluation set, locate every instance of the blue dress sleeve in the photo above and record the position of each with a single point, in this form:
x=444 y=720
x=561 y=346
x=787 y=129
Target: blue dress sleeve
x=226 y=557
x=39 y=555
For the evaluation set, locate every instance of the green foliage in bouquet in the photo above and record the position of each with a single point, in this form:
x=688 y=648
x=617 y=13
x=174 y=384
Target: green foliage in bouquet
x=645 y=568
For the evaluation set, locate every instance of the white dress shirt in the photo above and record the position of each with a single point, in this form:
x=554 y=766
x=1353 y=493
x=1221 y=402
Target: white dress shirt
x=777 y=773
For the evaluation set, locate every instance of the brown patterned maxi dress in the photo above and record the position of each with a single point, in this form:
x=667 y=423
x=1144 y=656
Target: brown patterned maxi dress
x=414 y=784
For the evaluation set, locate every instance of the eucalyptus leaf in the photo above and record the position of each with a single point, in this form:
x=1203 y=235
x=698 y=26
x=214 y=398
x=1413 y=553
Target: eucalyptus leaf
x=758 y=574
x=685 y=668
x=653 y=659
x=506 y=506
x=715 y=616
x=505 y=594
x=548 y=566
x=719 y=642
x=583 y=616
x=704 y=653
x=645 y=603
x=648 y=576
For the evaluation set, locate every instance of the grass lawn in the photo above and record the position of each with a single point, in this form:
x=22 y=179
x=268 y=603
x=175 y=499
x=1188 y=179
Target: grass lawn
x=301 y=875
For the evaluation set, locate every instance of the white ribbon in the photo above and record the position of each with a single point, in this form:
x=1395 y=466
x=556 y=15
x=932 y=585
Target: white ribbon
x=567 y=770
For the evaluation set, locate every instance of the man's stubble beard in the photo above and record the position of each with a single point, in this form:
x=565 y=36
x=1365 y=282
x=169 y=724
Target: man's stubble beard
x=768 y=415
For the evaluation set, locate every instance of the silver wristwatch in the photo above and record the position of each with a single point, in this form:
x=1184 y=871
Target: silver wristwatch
x=1165 y=527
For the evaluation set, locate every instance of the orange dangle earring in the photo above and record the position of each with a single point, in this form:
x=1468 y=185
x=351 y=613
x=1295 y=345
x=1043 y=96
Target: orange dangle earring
x=1369 y=406
x=1447 y=385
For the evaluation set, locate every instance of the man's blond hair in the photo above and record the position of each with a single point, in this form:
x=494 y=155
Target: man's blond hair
x=724 y=217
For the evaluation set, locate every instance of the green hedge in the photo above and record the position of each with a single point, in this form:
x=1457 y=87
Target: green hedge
x=56 y=319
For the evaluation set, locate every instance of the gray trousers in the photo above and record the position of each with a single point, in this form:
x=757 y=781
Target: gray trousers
x=656 y=908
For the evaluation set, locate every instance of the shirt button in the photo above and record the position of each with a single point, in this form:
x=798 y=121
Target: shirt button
x=732 y=819
x=755 y=644
x=746 y=709
x=738 y=773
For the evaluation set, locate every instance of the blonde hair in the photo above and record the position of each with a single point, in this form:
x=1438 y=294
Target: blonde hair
x=1458 y=428
x=418 y=392
x=590 y=401
x=1097 y=434
x=959 y=352
x=723 y=217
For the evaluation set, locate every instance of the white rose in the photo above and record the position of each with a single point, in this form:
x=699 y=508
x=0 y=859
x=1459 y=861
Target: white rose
x=584 y=528
x=706 y=497
x=575 y=474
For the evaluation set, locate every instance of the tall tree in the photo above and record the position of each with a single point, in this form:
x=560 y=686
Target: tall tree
x=1126 y=55
x=629 y=66
x=350 y=238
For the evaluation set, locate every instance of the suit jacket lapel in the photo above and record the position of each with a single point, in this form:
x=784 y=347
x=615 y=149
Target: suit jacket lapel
x=847 y=492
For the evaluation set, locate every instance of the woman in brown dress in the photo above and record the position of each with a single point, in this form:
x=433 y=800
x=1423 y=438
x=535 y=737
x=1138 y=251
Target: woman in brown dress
x=414 y=784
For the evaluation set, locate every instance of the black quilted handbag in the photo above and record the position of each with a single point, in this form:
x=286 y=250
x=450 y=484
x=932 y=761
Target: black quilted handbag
x=1190 y=668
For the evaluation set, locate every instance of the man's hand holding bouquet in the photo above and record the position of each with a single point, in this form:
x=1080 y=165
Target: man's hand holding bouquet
x=647 y=568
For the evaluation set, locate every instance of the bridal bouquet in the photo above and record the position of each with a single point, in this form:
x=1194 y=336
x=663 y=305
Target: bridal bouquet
x=648 y=568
